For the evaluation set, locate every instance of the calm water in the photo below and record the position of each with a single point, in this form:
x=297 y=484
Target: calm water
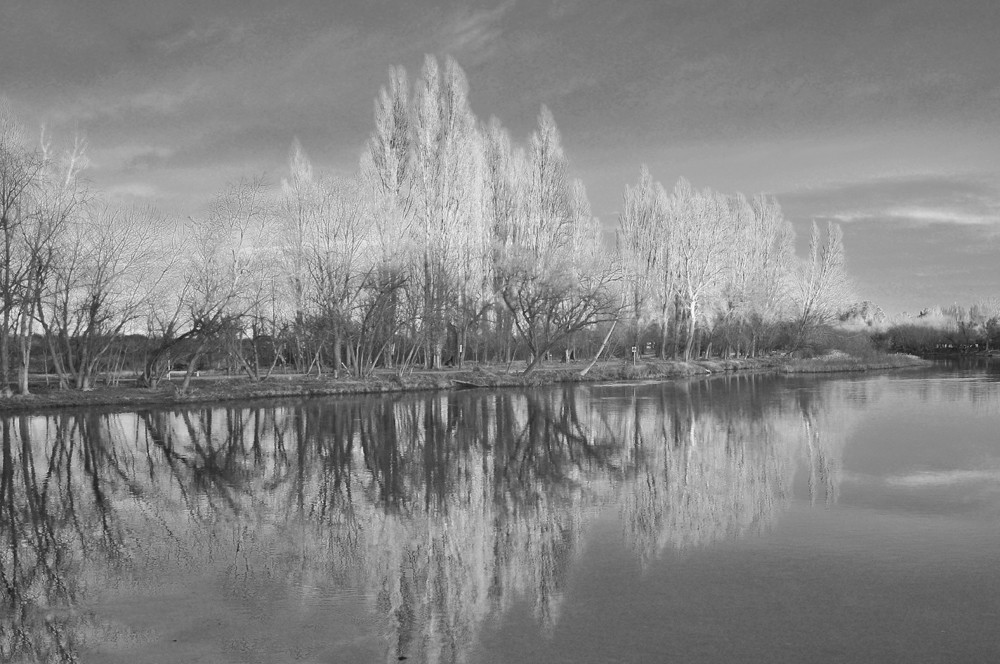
x=758 y=519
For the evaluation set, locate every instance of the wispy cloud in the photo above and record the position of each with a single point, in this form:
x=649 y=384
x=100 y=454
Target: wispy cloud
x=944 y=478
x=942 y=215
x=917 y=215
x=130 y=155
x=132 y=191
x=201 y=35
x=159 y=100
x=916 y=200
x=473 y=33
x=125 y=100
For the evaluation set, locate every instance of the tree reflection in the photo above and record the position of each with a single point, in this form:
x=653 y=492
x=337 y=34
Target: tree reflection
x=712 y=464
x=54 y=515
x=443 y=509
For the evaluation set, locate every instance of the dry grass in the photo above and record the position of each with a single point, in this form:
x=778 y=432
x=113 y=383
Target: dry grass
x=837 y=361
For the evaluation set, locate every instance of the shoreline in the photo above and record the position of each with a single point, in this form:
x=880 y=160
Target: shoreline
x=219 y=389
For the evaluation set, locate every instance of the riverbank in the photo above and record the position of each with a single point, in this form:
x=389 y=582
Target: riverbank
x=209 y=389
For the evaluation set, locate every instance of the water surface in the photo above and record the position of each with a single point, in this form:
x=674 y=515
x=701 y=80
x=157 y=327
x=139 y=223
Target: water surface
x=753 y=518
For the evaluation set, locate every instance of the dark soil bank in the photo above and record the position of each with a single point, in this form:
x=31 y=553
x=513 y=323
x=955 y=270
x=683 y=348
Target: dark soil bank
x=226 y=388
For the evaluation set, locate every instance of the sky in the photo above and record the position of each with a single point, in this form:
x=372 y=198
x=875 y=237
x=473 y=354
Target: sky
x=882 y=116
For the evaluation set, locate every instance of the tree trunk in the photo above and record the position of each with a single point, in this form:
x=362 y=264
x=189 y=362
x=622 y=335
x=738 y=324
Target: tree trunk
x=678 y=316
x=8 y=303
x=25 y=329
x=256 y=353
x=689 y=346
x=436 y=359
x=336 y=353
x=353 y=359
x=600 y=350
x=50 y=343
x=663 y=333
x=5 y=356
x=191 y=367
x=534 y=359
x=299 y=335
x=22 y=374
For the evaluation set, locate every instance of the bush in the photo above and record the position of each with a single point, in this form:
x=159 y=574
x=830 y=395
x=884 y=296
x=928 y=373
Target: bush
x=909 y=338
x=824 y=340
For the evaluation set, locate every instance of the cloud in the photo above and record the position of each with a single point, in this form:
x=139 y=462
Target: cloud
x=472 y=35
x=132 y=190
x=200 y=36
x=125 y=100
x=163 y=101
x=131 y=156
x=917 y=215
x=148 y=159
x=563 y=8
x=943 y=478
x=917 y=200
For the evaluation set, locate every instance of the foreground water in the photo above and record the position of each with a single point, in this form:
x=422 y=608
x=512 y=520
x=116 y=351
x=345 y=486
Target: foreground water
x=754 y=518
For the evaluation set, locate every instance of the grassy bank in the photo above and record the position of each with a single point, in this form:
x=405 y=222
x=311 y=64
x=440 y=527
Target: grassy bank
x=223 y=388
x=837 y=361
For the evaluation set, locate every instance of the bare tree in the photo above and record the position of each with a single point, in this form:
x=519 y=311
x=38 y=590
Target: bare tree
x=754 y=293
x=699 y=223
x=223 y=270
x=108 y=266
x=387 y=181
x=39 y=192
x=167 y=328
x=821 y=288
x=645 y=253
x=447 y=163
x=338 y=267
x=300 y=207
x=20 y=171
x=504 y=186
x=553 y=281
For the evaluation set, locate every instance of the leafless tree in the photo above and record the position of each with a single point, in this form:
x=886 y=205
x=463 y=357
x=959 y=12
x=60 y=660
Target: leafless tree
x=821 y=288
x=700 y=245
x=39 y=193
x=223 y=272
x=447 y=185
x=645 y=254
x=108 y=266
x=552 y=279
x=20 y=170
x=339 y=262
x=300 y=207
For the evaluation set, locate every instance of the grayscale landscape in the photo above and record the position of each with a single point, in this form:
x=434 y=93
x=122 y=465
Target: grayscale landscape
x=562 y=331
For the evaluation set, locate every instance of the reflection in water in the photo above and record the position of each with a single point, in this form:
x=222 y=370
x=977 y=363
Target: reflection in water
x=55 y=518
x=711 y=465
x=441 y=509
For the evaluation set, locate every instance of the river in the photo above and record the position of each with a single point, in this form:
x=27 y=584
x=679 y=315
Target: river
x=761 y=518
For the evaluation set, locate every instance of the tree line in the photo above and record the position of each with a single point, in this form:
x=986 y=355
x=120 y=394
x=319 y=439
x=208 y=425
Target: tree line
x=450 y=242
x=945 y=330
